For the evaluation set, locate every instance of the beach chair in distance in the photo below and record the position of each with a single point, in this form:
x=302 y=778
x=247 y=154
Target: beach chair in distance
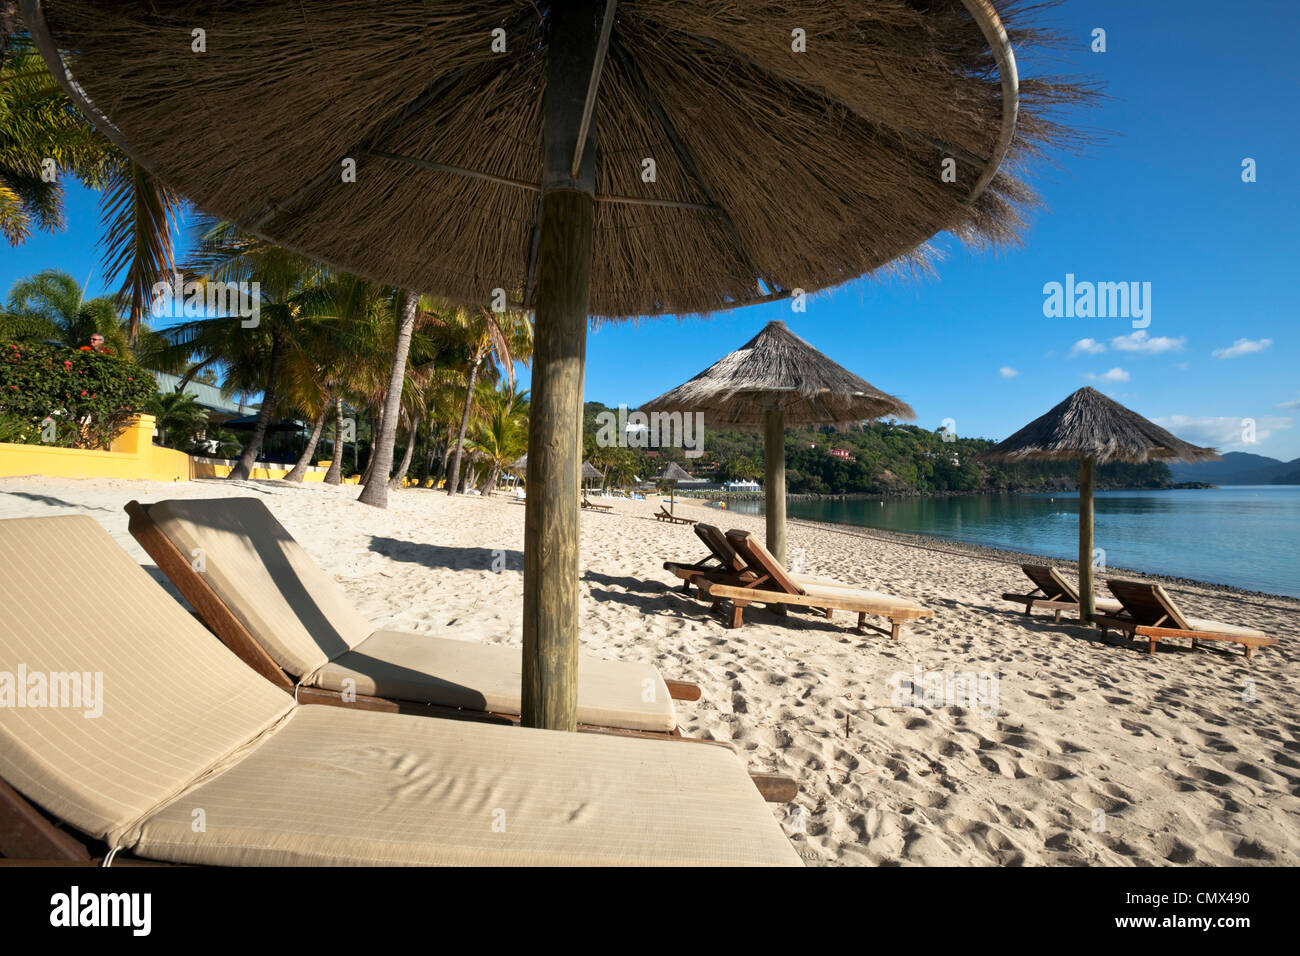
x=1054 y=593
x=1149 y=612
x=592 y=506
x=184 y=724
x=663 y=515
x=264 y=597
x=772 y=584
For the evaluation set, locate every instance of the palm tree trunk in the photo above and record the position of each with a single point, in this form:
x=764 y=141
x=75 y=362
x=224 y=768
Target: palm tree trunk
x=454 y=478
x=300 y=467
x=244 y=467
x=335 y=475
x=376 y=490
x=411 y=429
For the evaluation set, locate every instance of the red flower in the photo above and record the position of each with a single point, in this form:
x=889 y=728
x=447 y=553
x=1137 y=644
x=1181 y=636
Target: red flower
x=83 y=393
x=67 y=364
x=85 y=348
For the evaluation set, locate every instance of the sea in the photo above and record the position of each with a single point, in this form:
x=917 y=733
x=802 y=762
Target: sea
x=1247 y=536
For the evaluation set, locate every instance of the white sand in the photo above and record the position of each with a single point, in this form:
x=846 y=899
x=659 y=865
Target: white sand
x=1182 y=768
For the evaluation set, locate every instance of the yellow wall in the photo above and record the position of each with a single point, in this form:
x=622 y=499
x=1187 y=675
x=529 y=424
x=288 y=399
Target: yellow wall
x=132 y=455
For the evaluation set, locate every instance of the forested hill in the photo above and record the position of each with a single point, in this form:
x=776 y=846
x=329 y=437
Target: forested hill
x=878 y=458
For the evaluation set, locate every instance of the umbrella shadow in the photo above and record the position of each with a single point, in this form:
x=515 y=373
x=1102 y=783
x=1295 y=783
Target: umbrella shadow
x=448 y=556
x=55 y=502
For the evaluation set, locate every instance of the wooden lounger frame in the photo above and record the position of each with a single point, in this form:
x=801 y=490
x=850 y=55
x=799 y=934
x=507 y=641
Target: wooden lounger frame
x=770 y=583
x=1151 y=613
x=663 y=515
x=1053 y=592
x=592 y=506
x=221 y=621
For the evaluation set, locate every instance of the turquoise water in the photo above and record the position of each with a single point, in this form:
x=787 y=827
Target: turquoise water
x=1247 y=536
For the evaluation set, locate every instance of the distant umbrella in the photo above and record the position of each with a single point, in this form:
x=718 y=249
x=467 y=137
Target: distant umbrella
x=774 y=380
x=674 y=473
x=590 y=473
x=1096 y=430
x=520 y=465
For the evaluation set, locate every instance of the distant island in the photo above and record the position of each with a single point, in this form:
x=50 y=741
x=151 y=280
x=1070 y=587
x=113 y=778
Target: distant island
x=877 y=458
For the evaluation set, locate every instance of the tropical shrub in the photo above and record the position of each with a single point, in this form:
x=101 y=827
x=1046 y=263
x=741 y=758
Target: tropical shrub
x=89 y=397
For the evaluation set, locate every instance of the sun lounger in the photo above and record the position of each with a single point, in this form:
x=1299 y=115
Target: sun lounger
x=592 y=506
x=663 y=515
x=260 y=592
x=772 y=584
x=193 y=758
x=1054 y=593
x=1149 y=611
x=723 y=563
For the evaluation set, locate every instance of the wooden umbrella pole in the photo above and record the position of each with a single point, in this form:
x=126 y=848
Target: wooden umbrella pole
x=1086 y=605
x=774 y=479
x=550 y=661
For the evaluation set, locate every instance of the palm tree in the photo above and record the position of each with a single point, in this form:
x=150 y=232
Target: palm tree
x=52 y=305
x=253 y=357
x=180 y=418
x=39 y=125
x=501 y=339
x=381 y=460
x=501 y=433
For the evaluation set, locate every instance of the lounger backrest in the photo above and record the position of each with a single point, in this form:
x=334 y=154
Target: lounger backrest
x=1050 y=582
x=80 y=614
x=719 y=546
x=289 y=605
x=1148 y=604
x=761 y=561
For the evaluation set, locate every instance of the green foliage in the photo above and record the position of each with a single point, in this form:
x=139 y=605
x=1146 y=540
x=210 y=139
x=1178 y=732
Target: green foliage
x=90 y=397
x=180 y=418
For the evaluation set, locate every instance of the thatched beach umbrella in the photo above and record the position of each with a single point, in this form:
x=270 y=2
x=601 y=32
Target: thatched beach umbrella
x=1094 y=429
x=520 y=465
x=590 y=472
x=774 y=380
x=578 y=158
x=674 y=473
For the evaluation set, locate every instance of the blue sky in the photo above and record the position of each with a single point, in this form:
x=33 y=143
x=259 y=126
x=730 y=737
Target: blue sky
x=1159 y=199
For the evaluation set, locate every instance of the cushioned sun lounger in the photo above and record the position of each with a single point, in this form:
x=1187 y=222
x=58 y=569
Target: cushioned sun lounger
x=772 y=584
x=144 y=736
x=1054 y=593
x=261 y=593
x=1149 y=611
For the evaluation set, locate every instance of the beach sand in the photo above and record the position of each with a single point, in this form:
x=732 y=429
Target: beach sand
x=1092 y=753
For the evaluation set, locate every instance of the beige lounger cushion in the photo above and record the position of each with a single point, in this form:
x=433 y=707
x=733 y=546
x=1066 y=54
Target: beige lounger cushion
x=286 y=601
x=858 y=595
x=334 y=786
x=468 y=674
x=1227 y=630
x=175 y=701
x=292 y=607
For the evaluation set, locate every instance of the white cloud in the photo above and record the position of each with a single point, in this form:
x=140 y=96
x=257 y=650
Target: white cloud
x=1294 y=403
x=1087 y=347
x=1242 y=347
x=1223 y=432
x=1007 y=371
x=1140 y=342
x=1116 y=374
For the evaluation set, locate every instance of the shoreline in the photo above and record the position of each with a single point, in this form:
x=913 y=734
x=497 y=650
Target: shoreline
x=1009 y=556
